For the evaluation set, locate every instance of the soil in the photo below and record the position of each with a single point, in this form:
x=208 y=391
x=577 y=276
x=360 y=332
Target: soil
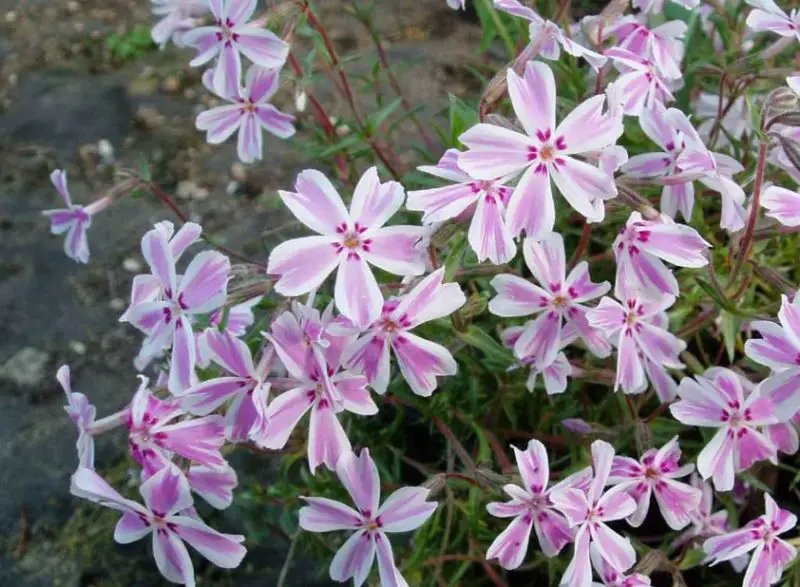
x=65 y=96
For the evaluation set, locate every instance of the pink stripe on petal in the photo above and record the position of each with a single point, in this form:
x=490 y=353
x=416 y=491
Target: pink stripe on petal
x=582 y=185
x=531 y=208
x=59 y=179
x=488 y=235
x=579 y=571
x=167 y=492
x=198 y=440
x=172 y=558
x=239 y=11
x=615 y=549
x=317 y=204
x=396 y=249
x=205 y=397
x=389 y=575
x=430 y=299
x=184 y=358
x=230 y=353
x=359 y=476
x=406 y=509
x=533 y=97
x=228 y=72
x=678 y=502
x=323 y=515
x=422 y=361
x=546 y=260
x=220 y=122
x=261 y=83
x=354 y=559
x=630 y=371
x=213 y=485
x=130 y=528
x=541 y=339
x=751 y=447
x=493 y=151
x=249 y=145
x=261 y=46
x=283 y=414
x=223 y=550
x=354 y=393
x=276 y=122
x=511 y=545
x=552 y=531
x=440 y=204
x=327 y=441
x=516 y=297
x=303 y=264
x=373 y=202
x=588 y=128
x=716 y=460
x=534 y=466
x=775 y=349
x=370 y=356
x=356 y=292
x=158 y=254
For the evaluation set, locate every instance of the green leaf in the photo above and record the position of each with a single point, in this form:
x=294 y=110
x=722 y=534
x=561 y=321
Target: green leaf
x=730 y=331
x=376 y=119
x=461 y=118
x=720 y=300
x=692 y=559
x=454 y=257
x=478 y=338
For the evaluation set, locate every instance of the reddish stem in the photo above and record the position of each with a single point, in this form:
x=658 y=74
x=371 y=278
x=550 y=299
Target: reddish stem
x=747 y=240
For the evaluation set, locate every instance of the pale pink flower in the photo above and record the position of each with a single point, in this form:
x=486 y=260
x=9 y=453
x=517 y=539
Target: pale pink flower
x=783 y=205
x=169 y=516
x=771 y=555
x=249 y=113
x=783 y=434
x=559 y=302
x=167 y=320
x=239 y=318
x=685 y=159
x=656 y=473
x=768 y=16
x=82 y=413
x=420 y=361
x=640 y=84
x=641 y=248
x=530 y=506
x=611 y=577
x=178 y=16
x=589 y=511
x=555 y=374
x=230 y=35
x=350 y=241
x=315 y=384
x=644 y=346
x=663 y=45
x=717 y=400
x=214 y=484
x=246 y=387
x=545 y=151
x=156 y=430
x=484 y=200
x=75 y=219
x=456 y=4
x=404 y=510
x=657 y=6
x=736 y=123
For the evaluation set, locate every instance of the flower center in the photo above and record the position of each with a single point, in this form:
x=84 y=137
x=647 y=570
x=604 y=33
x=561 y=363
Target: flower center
x=351 y=242
x=630 y=318
x=651 y=473
x=560 y=302
x=546 y=153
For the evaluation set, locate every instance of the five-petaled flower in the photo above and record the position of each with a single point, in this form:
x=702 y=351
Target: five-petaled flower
x=168 y=515
x=545 y=151
x=663 y=45
x=351 y=241
x=771 y=555
x=656 y=473
x=559 y=302
x=404 y=510
x=717 y=400
x=555 y=374
x=230 y=35
x=75 y=219
x=640 y=85
x=530 y=506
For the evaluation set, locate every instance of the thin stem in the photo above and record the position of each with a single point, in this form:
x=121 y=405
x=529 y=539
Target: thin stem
x=583 y=243
x=747 y=240
x=288 y=562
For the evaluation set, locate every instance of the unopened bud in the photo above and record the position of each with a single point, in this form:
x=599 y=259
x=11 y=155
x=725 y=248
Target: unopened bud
x=498 y=120
x=773 y=278
x=436 y=483
x=475 y=306
x=636 y=201
x=247 y=281
x=577 y=425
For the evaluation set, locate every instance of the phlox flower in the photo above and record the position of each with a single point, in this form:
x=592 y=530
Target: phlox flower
x=559 y=302
x=530 y=506
x=317 y=385
x=589 y=511
x=684 y=159
x=456 y=4
x=663 y=45
x=641 y=248
x=156 y=431
x=555 y=374
x=736 y=123
x=75 y=219
x=239 y=318
x=657 y=6
x=771 y=555
x=214 y=484
x=484 y=200
x=167 y=320
x=717 y=400
x=249 y=113
x=230 y=35
x=178 y=16
x=420 y=361
x=245 y=387
x=611 y=577
x=706 y=523
x=82 y=413
x=767 y=16
x=644 y=346
x=783 y=205
x=404 y=510
x=656 y=473
x=640 y=84
x=543 y=152
x=350 y=241
x=169 y=517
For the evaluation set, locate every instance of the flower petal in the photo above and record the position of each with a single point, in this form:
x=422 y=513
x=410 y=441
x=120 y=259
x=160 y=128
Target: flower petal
x=533 y=97
x=359 y=476
x=531 y=206
x=283 y=414
x=422 y=361
x=511 y=545
x=354 y=559
x=356 y=292
x=172 y=558
x=302 y=264
x=395 y=249
x=493 y=152
x=406 y=509
x=323 y=515
x=317 y=204
x=327 y=441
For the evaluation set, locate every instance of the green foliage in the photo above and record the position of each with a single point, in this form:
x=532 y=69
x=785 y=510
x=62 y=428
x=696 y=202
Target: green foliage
x=131 y=45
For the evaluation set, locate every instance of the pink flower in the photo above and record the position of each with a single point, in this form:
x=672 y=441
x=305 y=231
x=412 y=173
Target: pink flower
x=404 y=510
x=179 y=16
x=640 y=85
x=82 y=413
x=555 y=374
x=350 y=242
x=559 y=302
x=239 y=318
x=783 y=205
x=230 y=35
x=644 y=346
x=643 y=245
x=249 y=113
x=530 y=506
x=484 y=200
x=589 y=511
x=657 y=6
x=717 y=400
x=315 y=384
x=706 y=524
x=771 y=555
x=75 y=220
x=768 y=16
x=166 y=515
x=611 y=577
x=420 y=361
x=683 y=159
x=544 y=152
x=662 y=45
x=214 y=484
x=246 y=387
x=657 y=472
x=167 y=320
x=156 y=431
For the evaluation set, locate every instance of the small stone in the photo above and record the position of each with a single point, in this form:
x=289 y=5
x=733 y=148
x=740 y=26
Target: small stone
x=26 y=368
x=190 y=93
x=106 y=151
x=171 y=84
x=77 y=347
x=239 y=172
x=232 y=188
x=132 y=265
x=149 y=117
x=73 y=6
x=11 y=16
x=342 y=131
x=189 y=190
x=117 y=304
